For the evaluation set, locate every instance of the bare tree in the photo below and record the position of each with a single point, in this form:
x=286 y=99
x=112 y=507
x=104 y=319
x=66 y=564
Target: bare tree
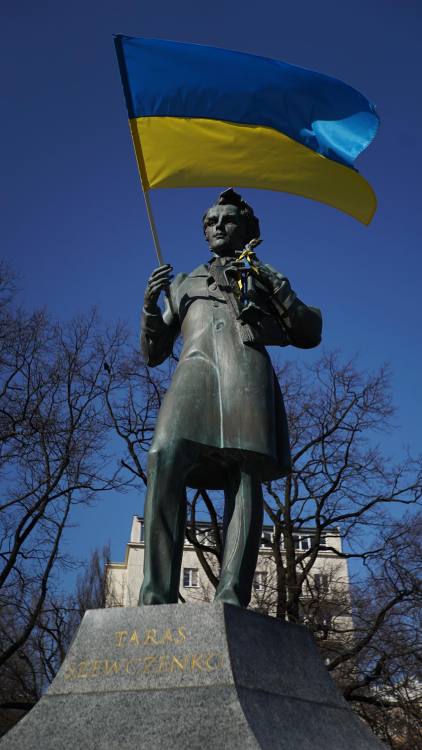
x=32 y=668
x=53 y=452
x=385 y=681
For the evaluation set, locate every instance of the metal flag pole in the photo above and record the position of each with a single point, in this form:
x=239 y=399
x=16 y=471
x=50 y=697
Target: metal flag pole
x=144 y=181
x=155 y=237
x=152 y=225
x=136 y=140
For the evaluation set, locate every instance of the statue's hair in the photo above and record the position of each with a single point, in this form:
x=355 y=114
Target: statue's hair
x=231 y=198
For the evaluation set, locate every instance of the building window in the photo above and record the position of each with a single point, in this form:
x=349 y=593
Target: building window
x=259 y=581
x=206 y=537
x=306 y=542
x=321 y=582
x=301 y=543
x=266 y=539
x=190 y=578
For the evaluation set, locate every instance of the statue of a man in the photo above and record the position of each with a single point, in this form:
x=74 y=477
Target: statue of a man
x=222 y=424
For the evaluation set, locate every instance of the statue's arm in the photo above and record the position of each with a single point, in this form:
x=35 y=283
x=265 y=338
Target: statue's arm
x=159 y=330
x=302 y=323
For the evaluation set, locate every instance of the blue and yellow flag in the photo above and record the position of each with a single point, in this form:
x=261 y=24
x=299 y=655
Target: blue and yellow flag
x=204 y=117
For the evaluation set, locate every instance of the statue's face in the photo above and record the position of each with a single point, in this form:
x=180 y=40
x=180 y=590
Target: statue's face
x=224 y=230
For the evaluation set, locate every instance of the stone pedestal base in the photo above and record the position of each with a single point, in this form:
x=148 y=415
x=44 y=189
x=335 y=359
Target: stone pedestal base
x=214 y=677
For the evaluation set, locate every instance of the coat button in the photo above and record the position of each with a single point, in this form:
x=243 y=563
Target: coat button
x=219 y=325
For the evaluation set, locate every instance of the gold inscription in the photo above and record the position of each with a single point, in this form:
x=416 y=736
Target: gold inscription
x=71 y=672
x=82 y=672
x=96 y=668
x=150 y=637
x=112 y=667
x=167 y=637
x=196 y=662
x=182 y=636
x=149 y=662
x=120 y=636
x=165 y=664
x=131 y=666
x=134 y=638
x=213 y=662
x=178 y=664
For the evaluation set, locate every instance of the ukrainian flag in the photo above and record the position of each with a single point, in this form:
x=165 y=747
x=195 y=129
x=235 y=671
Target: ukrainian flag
x=203 y=117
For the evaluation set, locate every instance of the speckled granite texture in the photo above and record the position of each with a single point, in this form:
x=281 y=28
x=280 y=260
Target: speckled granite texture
x=204 y=676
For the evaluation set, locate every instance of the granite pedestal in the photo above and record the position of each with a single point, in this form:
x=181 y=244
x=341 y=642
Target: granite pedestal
x=190 y=676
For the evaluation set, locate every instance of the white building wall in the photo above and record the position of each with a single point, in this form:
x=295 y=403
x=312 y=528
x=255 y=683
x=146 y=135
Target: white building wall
x=124 y=579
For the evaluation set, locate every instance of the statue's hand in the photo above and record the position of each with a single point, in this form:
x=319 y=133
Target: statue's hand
x=272 y=279
x=158 y=282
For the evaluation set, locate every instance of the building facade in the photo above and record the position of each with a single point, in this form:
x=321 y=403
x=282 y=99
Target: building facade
x=326 y=592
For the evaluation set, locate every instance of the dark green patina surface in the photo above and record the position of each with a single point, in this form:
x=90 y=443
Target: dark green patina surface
x=222 y=424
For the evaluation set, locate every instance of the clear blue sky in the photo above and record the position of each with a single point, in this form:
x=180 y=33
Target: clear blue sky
x=74 y=224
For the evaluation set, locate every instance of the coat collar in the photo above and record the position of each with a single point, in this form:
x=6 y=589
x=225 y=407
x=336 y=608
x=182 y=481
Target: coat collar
x=201 y=271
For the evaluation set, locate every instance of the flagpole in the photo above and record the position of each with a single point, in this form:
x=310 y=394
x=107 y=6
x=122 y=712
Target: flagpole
x=152 y=225
x=155 y=236
x=144 y=182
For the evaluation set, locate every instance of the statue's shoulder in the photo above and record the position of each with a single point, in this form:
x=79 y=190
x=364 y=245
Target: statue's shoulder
x=201 y=270
x=186 y=280
x=186 y=283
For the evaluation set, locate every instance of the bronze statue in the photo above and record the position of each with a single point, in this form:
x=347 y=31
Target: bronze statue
x=222 y=424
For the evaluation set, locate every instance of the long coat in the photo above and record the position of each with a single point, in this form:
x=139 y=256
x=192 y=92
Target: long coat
x=224 y=395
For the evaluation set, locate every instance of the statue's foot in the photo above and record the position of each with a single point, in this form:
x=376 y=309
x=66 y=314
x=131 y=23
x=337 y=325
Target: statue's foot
x=150 y=596
x=228 y=596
